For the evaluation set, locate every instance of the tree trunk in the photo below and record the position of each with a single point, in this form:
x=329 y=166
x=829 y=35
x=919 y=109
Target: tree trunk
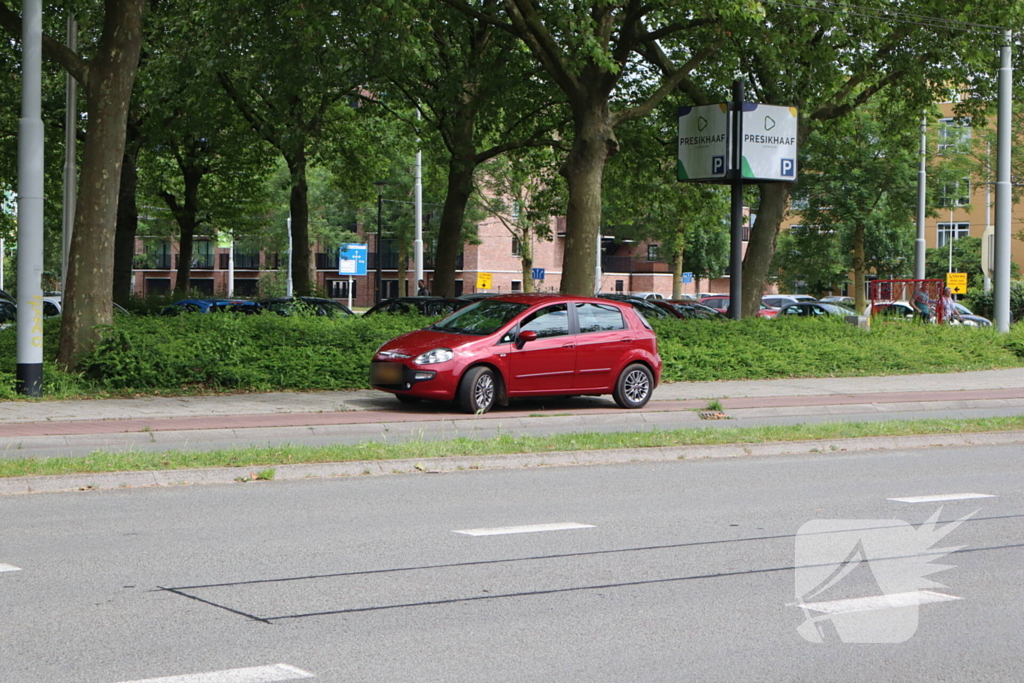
x=127 y=218
x=860 y=302
x=302 y=264
x=187 y=216
x=403 y=267
x=593 y=145
x=761 y=247
x=677 y=271
x=87 y=303
x=449 y=235
x=526 y=258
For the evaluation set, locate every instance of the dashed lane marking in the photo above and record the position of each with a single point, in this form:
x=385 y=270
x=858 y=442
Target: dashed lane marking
x=530 y=528
x=941 y=497
x=253 y=674
x=893 y=600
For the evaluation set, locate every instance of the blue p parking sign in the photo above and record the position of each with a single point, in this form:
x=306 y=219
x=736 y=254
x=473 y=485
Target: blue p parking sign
x=788 y=168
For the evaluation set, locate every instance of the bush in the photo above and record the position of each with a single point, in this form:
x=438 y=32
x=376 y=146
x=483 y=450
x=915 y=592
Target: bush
x=223 y=352
x=983 y=303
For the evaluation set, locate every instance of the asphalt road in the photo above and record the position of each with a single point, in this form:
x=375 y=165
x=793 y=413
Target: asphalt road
x=686 y=570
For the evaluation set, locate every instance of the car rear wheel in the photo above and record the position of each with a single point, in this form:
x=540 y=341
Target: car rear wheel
x=478 y=390
x=634 y=387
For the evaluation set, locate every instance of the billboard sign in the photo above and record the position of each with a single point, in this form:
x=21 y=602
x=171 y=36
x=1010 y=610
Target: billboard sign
x=703 y=142
x=769 y=142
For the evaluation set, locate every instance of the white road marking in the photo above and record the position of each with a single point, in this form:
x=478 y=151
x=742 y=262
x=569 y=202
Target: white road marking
x=9 y=568
x=910 y=599
x=252 y=674
x=941 y=497
x=530 y=528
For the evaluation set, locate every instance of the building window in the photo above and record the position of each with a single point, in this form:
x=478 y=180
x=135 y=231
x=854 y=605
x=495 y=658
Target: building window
x=957 y=193
x=652 y=252
x=956 y=230
x=517 y=285
x=202 y=254
x=517 y=247
x=157 y=256
x=953 y=132
x=619 y=286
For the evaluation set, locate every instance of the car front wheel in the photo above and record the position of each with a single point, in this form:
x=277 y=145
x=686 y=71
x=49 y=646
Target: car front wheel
x=633 y=390
x=478 y=390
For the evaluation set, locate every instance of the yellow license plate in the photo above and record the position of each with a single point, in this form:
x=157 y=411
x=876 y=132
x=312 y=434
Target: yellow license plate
x=386 y=373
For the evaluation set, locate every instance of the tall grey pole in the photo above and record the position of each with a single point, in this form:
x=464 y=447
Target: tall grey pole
x=1003 y=199
x=922 y=184
x=598 y=274
x=288 y=284
x=417 y=243
x=29 y=372
x=70 y=157
x=2 y=252
x=736 y=212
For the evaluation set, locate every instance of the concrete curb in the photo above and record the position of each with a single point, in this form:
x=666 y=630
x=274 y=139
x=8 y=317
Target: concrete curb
x=226 y=475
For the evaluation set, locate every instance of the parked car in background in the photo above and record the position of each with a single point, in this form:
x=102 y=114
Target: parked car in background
x=648 y=308
x=780 y=300
x=419 y=305
x=210 y=306
x=815 y=309
x=56 y=301
x=310 y=305
x=847 y=301
x=524 y=345
x=685 y=308
x=721 y=304
x=903 y=310
x=4 y=296
x=646 y=295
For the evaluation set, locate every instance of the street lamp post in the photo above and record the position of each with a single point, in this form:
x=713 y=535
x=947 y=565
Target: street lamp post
x=380 y=235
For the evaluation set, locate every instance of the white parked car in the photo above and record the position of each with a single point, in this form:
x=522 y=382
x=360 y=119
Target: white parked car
x=646 y=295
x=780 y=300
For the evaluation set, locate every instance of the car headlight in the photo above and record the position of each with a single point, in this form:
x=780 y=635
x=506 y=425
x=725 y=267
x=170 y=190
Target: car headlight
x=434 y=356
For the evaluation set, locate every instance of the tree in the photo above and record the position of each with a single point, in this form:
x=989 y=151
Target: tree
x=283 y=66
x=472 y=86
x=511 y=191
x=828 y=62
x=590 y=50
x=857 y=196
x=106 y=80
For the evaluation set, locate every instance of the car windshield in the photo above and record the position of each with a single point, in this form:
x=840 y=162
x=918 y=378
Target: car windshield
x=483 y=317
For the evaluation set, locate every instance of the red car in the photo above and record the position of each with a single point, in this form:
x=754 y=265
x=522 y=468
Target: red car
x=524 y=345
x=721 y=304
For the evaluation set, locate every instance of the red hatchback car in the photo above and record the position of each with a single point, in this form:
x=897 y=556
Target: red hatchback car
x=524 y=345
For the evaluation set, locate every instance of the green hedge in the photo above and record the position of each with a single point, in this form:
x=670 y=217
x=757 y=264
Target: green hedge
x=203 y=353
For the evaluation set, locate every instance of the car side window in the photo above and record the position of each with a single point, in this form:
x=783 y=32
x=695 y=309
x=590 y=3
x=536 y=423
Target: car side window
x=599 y=318
x=552 y=321
x=50 y=309
x=8 y=313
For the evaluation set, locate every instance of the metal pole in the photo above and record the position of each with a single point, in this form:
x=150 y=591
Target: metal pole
x=922 y=183
x=231 y=268
x=417 y=244
x=736 y=213
x=1003 y=200
x=29 y=372
x=350 y=292
x=2 y=252
x=986 y=280
x=289 y=288
x=949 y=236
x=70 y=157
x=597 y=266
x=380 y=233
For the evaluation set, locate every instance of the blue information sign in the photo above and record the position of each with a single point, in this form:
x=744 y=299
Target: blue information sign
x=352 y=259
x=538 y=273
x=687 y=278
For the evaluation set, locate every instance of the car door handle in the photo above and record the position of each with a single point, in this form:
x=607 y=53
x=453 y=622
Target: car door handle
x=571 y=345
x=626 y=339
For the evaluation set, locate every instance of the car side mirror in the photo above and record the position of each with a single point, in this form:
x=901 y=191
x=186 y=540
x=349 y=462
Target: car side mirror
x=525 y=336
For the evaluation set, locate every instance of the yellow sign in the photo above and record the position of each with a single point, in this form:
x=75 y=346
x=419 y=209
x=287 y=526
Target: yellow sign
x=957 y=282
x=483 y=280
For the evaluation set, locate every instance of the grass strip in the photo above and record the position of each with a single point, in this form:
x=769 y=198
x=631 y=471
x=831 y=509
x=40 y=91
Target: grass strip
x=130 y=461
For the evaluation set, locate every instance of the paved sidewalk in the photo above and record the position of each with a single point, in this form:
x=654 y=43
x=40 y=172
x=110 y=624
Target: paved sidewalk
x=995 y=384
x=76 y=428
